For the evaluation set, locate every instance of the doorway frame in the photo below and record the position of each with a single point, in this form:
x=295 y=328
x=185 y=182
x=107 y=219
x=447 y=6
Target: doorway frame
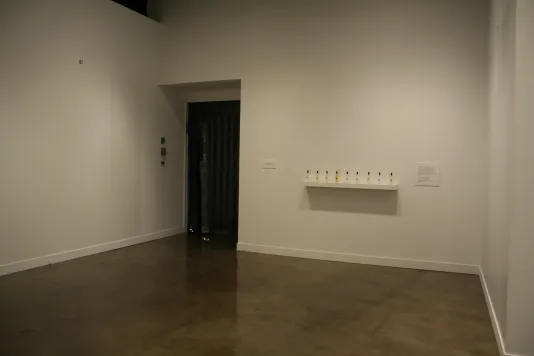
x=208 y=92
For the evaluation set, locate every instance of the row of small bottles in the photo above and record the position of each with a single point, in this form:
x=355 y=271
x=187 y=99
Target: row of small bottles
x=347 y=177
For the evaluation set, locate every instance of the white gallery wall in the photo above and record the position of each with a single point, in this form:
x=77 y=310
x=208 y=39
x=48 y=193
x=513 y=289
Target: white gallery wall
x=360 y=85
x=520 y=302
x=507 y=266
x=501 y=89
x=79 y=143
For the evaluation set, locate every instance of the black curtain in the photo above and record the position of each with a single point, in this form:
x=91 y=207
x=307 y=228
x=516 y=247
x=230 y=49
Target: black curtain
x=213 y=156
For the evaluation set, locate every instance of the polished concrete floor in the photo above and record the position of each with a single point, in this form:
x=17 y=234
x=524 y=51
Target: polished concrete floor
x=174 y=297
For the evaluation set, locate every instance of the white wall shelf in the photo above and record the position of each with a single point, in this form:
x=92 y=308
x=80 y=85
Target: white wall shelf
x=370 y=186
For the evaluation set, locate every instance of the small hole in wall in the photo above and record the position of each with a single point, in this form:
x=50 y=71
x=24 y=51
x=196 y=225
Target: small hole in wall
x=80 y=61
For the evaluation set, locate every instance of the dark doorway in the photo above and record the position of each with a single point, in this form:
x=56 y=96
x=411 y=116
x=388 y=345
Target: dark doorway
x=213 y=171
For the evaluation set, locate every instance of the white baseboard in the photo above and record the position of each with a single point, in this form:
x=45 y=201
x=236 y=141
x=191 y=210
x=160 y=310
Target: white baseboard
x=85 y=251
x=493 y=315
x=390 y=262
x=363 y=259
x=275 y=250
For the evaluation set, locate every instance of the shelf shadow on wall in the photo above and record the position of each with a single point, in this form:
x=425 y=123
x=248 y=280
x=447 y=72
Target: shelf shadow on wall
x=377 y=202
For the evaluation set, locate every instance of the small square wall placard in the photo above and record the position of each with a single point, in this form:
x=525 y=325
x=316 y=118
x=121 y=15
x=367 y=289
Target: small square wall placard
x=427 y=174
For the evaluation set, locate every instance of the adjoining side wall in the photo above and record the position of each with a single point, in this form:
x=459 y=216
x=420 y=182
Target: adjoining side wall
x=520 y=306
x=501 y=103
x=79 y=143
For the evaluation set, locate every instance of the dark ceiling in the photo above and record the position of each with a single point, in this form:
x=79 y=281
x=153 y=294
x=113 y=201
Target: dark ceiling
x=139 y=6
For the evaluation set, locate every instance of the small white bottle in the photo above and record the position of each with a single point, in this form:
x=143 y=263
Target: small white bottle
x=317 y=177
x=357 y=177
x=379 y=177
x=368 y=177
x=391 y=178
x=337 y=176
x=347 y=177
x=326 y=177
x=308 y=175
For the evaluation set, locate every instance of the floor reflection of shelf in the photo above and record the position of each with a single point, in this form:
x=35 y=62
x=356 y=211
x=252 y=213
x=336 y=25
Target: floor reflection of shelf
x=352 y=186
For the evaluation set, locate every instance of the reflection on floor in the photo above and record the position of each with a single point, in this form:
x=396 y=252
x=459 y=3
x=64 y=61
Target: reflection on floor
x=169 y=297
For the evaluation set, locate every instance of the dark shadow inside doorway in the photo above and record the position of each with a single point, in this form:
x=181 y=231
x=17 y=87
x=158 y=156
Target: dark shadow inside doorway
x=213 y=171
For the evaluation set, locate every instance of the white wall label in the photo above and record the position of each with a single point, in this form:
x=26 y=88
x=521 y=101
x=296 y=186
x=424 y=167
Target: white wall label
x=269 y=164
x=427 y=174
